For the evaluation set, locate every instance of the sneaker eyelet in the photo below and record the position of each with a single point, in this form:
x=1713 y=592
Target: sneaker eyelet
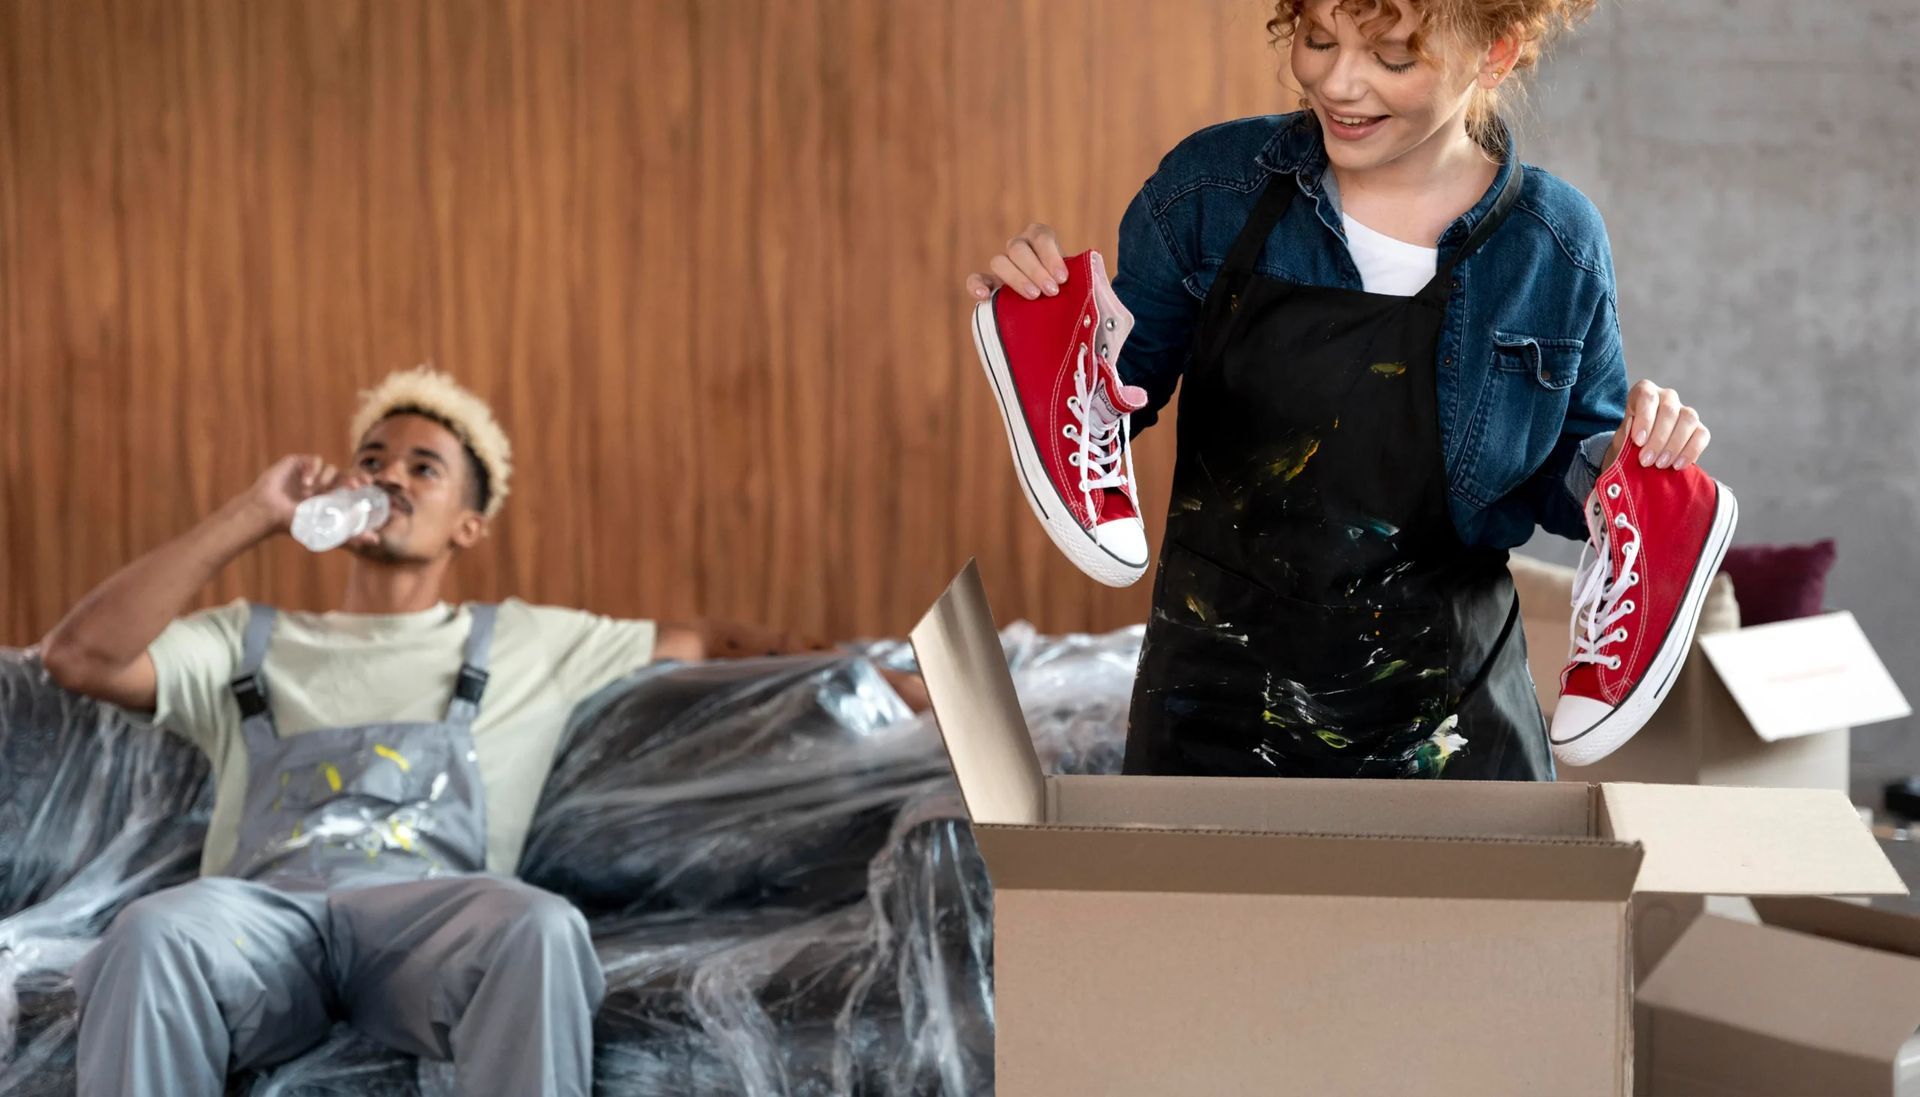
x=1619 y=635
x=1613 y=491
x=1109 y=323
x=1627 y=606
x=1633 y=578
x=1620 y=521
x=1614 y=663
x=1073 y=459
x=1086 y=321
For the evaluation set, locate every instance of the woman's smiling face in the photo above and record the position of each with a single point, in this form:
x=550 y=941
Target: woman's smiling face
x=1376 y=99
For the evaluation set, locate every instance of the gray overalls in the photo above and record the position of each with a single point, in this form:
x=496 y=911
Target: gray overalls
x=357 y=893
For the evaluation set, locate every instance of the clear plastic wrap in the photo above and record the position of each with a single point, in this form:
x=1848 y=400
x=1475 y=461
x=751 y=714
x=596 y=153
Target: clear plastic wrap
x=773 y=857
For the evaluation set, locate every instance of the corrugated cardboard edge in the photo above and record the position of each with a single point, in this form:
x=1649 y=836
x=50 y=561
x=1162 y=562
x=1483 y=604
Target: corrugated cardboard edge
x=1167 y=860
x=975 y=707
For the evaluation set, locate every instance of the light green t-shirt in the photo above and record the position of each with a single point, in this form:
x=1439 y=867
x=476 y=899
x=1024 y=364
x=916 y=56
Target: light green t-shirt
x=341 y=669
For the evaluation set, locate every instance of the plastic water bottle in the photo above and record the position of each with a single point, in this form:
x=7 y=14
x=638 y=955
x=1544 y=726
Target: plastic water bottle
x=331 y=520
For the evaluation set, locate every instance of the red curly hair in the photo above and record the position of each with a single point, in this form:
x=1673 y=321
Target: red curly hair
x=1479 y=22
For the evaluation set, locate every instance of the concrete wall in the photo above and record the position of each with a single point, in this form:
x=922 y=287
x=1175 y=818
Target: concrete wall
x=1758 y=166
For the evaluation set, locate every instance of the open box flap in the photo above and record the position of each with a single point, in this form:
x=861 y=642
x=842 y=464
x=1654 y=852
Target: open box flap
x=975 y=707
x=1805 y=676
x=1707 y=840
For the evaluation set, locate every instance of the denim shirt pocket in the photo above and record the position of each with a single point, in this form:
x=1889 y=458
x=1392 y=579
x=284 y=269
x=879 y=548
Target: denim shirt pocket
x=1555 y=363
x=1521 y=410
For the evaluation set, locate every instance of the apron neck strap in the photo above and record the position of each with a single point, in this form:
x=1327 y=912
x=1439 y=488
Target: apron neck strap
x=249 y=685
x=1275 y=197
x=1502 y=205
x=472 y=682
x=1278 y=193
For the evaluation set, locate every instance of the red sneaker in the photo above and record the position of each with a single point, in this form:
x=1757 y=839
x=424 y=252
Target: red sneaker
x=1657 y=536
x=1051 y=364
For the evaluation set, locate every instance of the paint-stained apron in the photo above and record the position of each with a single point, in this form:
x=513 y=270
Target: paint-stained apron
x=1315 y=613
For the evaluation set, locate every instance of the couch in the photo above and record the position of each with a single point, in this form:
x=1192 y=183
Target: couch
x=771 y=854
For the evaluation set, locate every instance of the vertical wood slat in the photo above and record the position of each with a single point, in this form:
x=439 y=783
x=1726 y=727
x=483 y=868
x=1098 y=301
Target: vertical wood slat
x=704 y=257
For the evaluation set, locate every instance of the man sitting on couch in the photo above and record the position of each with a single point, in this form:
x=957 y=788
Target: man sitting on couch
x=377 y=768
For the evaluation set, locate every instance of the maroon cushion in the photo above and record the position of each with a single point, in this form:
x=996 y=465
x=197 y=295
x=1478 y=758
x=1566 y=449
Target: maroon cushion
x=1779 y=582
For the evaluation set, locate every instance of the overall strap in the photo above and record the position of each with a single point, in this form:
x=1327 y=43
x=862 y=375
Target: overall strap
x=249 y=685
x=472 y=682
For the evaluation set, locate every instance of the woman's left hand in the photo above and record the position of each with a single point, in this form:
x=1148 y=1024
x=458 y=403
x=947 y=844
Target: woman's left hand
x=1669 y=433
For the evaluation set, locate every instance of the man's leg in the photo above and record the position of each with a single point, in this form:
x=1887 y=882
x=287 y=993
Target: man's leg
x=493 y=973
x=189 y=978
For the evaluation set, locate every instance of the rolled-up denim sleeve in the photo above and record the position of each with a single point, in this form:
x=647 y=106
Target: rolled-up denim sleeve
x=1560 y=487
x=1584 y=470
x=1150 y=280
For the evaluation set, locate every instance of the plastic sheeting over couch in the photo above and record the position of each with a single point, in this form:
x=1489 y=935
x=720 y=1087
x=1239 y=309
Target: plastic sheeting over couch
x=775 y=864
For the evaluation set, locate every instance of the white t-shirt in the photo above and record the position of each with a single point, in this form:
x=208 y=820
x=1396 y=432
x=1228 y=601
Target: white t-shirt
x=340 y=669
x=1388 y=265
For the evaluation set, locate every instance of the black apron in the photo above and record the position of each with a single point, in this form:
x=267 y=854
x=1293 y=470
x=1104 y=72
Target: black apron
x=1316 y=613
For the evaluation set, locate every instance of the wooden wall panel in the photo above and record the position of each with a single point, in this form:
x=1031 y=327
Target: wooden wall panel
x=704 y=256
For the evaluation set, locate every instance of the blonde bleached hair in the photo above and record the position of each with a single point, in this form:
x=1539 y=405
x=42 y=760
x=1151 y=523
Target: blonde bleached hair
x=427 y=392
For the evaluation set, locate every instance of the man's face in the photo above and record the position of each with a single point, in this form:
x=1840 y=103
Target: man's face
x=430 y=480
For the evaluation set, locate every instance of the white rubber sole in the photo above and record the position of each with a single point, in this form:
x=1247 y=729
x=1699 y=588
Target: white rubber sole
x=1076 y=541
x=1590 y=744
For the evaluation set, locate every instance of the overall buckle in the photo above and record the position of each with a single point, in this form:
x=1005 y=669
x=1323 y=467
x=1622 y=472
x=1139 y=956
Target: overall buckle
x=251 y=694
x=471 y=684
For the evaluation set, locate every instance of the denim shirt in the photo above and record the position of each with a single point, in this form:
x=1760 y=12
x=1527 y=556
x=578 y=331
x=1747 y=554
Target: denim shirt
x=1530 y=376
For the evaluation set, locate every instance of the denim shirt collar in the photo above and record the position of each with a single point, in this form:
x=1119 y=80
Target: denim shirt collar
x=1297 y=148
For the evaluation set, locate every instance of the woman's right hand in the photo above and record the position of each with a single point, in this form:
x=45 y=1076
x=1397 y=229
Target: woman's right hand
x=1031 y=265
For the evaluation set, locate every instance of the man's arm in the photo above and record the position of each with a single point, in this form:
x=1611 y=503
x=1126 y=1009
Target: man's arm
x=685 y=643
x=715 y=640
x=706 y=639
x=100 y=648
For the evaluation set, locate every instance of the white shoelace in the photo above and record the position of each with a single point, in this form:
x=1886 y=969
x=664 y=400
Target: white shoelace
x=1104 y=460
x=1599 y=596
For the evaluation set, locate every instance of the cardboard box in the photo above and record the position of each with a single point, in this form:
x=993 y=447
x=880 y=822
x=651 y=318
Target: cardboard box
x=1222 y=936
x=1768 y=706
x=1824 y=998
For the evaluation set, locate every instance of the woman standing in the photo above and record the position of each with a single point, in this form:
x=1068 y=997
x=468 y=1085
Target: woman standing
x=1398 y=354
